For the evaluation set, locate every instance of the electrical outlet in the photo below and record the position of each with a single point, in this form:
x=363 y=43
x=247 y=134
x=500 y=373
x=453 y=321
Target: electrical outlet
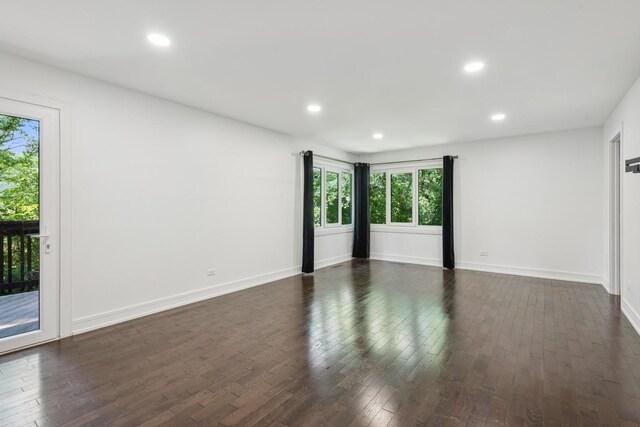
x=211 y=272
x=484 y=253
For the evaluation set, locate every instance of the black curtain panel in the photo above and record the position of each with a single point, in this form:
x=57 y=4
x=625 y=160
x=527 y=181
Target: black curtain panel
x=308 y=232
x=361 y=222
x=448 y=255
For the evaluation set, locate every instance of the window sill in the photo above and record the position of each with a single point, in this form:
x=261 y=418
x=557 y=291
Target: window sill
x=333 y=230
x=435 y=230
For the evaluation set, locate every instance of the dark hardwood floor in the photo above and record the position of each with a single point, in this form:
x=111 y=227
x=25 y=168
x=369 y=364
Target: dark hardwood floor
x=367 y=343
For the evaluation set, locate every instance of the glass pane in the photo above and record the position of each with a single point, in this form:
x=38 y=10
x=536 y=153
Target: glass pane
x=345 y=193
x=317 y=196
x=430 y=196
x=378 y=198
x=402 y=197
x=332 y=197
x=19 y=217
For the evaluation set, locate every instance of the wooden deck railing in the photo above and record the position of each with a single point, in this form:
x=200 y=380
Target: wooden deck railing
x=20 y=256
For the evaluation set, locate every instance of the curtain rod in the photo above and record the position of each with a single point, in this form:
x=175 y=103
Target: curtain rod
x=304 y=153
x=410 y=161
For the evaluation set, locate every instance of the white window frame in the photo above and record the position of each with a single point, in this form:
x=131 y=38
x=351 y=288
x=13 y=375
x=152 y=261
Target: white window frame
x=412 y=227
x=339 y=168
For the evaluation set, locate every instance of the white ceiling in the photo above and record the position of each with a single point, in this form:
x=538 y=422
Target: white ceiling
x=388 y=66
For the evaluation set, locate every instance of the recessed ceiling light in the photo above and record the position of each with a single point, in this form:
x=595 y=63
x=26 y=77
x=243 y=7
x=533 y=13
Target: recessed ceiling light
x=314 y=108
x=474 y=67
x=159 y=39
x=378 y=135
x=498 y=117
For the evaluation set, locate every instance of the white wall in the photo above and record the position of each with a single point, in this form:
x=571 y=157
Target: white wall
x=161 y=192
x=532 y=202
x=626 y=118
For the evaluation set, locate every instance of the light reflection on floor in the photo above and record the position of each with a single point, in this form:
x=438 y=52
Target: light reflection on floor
x=376 y=328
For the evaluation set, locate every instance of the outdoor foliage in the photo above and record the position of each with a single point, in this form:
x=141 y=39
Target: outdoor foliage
x=19 y=184
x=345 y=192
x=401 y=197
x=334 y=201
x=430 y=196
x=331 y=181
x=317 y=197
x=378 y=197
x=19 y=177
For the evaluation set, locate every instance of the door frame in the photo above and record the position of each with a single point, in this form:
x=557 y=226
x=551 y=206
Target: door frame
x=64 y=202
x=616 y=171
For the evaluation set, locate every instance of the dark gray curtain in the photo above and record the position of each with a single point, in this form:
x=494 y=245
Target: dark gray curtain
x=361 y=218
x=448 y=254
x=308 y=232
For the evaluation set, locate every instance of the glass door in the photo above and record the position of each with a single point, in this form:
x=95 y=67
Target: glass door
x=29 y=217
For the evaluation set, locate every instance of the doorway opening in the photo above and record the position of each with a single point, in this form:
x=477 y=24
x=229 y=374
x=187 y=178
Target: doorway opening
x=29 y=224
x=19 y=222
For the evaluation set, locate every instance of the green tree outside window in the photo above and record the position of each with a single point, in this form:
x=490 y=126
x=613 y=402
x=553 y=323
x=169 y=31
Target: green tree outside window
x=378 y=197
x=402 y=197
x=19 y=169
x=430 y=196
x=317 y=197
x=332 y=205
x=19 y=184
x=345 y=193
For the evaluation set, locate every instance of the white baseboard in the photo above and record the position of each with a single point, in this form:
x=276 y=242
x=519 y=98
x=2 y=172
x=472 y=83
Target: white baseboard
x=407 y=259
x=605 y=285
x=332 y=261
x=96 y=321
x=108 y=318
x=89 y=323
x=493 y=268
x=567 y=276
x=631 y=315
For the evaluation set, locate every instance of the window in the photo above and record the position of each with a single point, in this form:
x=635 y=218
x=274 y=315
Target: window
x=430 y=196
x=378 y=197
x=317 y=197
x=406 y=196
x=402 y=197
x=332 y=196
x=345 y=193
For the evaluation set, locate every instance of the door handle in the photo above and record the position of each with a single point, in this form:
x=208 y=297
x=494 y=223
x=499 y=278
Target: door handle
x=47 y=245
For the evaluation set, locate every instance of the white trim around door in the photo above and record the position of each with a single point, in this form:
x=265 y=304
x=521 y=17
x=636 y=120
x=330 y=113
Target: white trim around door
x=55 y=316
